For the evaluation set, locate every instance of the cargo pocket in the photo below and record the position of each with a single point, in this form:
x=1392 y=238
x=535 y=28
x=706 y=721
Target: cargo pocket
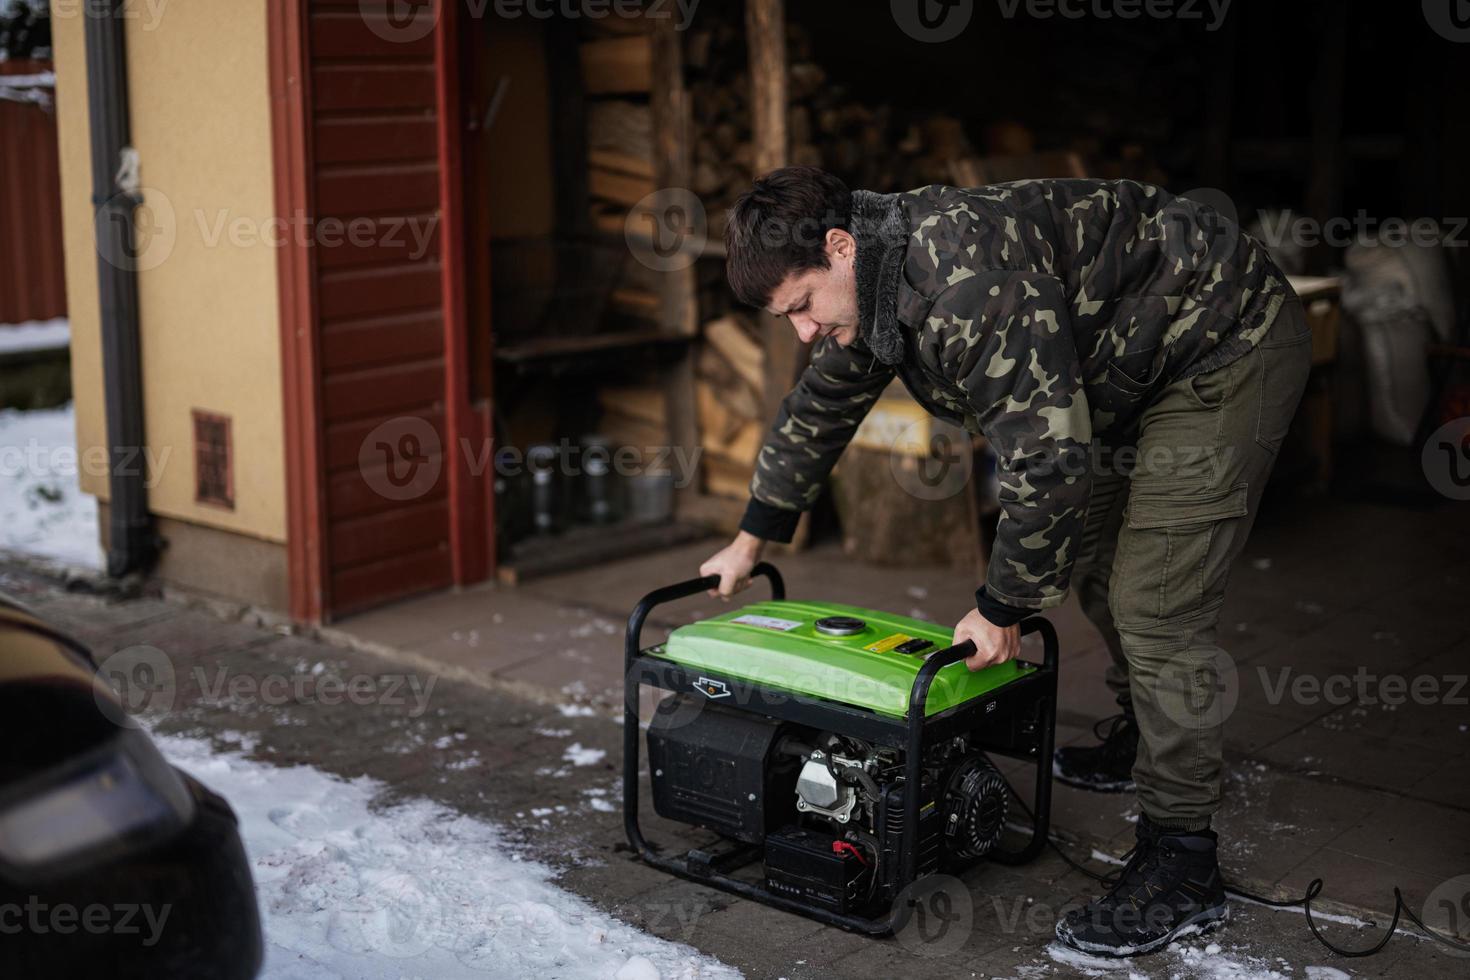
x=1171 y=568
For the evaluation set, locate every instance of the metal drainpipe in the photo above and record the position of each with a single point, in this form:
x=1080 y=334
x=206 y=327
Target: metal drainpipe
x=133 y=544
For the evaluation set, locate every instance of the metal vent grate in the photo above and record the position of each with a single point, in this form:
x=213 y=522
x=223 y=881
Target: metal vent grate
x=214 y=471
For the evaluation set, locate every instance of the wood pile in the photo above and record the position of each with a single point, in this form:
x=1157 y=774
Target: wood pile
x=617 y=76
x=868 y=145
x=729 y=372
x=634 y=415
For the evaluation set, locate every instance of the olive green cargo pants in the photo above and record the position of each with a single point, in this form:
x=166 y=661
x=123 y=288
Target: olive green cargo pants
x=1156 y=553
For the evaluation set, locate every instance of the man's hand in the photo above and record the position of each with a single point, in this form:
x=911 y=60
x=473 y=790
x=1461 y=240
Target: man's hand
x=733 y=564
x=993 y=644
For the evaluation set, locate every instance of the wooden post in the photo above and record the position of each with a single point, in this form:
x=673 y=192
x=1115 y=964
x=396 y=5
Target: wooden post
x=669 y=103
x=765 y=38
x=290 y=84
x=678 y=300
x=765 y=32
x=471 y=495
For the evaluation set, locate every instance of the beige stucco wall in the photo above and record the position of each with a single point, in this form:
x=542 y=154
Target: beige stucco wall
x=201 y=122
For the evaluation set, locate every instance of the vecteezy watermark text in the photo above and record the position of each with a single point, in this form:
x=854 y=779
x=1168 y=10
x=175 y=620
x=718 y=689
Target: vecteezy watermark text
x=1213 y=12
x=403 y=458
x=146 y=13
x=391 y=690
x=1364 y=687
x=64 y=919
x=410 y=21
x=1362 y=229
x=410 y=236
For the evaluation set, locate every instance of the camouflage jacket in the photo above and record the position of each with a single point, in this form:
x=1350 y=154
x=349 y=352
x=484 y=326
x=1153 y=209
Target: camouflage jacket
x=1045 y=314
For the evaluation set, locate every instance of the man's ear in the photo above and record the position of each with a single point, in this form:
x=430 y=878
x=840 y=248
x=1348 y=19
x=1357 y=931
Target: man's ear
x=840 y=244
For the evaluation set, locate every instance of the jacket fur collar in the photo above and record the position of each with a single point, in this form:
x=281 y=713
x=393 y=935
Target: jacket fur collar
x=882 y=240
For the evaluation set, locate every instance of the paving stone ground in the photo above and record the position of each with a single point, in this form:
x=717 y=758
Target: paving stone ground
x=502 y=704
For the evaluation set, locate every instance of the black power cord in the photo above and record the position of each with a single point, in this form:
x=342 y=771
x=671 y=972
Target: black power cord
x=1305 y=902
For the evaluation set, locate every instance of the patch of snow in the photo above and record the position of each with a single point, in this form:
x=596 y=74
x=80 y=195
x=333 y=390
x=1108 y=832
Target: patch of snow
x=1326 y=973
x=34 y=334
x=577 y=755
x=347 y=889
x=246 y=740
x=638 y=968
x=576 y=710
x=1319 y=915
x=1214 y=964
x=604 y=627
x=42 y=79
x=1084 y=963
x=43 y=511
x=1207 y=963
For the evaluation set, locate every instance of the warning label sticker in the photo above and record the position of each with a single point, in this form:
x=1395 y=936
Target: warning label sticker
x=888 y=643
x=767 y=622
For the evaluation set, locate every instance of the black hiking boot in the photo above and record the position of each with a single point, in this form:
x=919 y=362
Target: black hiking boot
x=1170 y=888
x=1103 y=768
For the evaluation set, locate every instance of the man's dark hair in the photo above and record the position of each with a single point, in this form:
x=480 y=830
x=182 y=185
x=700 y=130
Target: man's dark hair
x=779 y=227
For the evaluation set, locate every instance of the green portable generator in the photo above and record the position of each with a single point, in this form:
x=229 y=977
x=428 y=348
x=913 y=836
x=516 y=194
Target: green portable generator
x=844 y=750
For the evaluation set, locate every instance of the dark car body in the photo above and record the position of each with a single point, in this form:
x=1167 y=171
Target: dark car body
x=112 y=862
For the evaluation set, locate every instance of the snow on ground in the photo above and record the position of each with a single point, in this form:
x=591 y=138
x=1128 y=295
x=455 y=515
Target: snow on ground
x=347 y=889
x=578 y=755
x=34 y=334
x=43 y=511
x=1199 y=962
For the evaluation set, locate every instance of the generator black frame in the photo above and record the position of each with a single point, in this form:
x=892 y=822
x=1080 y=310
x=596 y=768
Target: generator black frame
x=1031 y=738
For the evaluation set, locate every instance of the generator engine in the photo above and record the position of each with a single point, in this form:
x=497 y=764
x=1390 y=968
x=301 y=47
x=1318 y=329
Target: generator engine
x=828 y=809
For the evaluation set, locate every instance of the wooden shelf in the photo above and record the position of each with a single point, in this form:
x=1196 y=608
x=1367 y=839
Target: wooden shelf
x=714 y=246
x=584 y=546
x=550 y=348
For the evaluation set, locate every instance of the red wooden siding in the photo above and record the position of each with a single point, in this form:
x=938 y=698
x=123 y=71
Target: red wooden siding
x=373 y=120
x=32 y=280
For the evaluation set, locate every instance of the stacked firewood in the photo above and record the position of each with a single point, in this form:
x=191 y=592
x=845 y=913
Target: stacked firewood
x=867 y=145
x=634 y=415
x=730 y=371
x=617 y=74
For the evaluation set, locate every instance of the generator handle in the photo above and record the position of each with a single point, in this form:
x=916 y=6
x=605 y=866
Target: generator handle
x=1050 y=656
x=682 y=590
x=960 y=651
x=918 y=700
x=631 y=679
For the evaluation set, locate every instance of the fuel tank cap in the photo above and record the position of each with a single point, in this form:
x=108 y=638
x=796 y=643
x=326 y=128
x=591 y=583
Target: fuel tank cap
x=840 y=625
